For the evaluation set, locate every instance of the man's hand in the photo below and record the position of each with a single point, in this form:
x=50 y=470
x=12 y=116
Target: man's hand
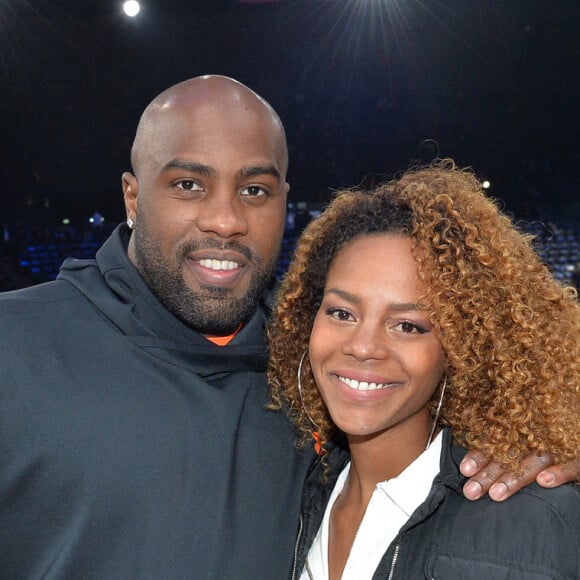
x=487 y=476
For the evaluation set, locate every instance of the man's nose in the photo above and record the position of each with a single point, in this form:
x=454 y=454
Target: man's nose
x=223 y=214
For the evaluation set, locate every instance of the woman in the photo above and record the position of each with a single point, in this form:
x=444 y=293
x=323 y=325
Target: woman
x=407 y=309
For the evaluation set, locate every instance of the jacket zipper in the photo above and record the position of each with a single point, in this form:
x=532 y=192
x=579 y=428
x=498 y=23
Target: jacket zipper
x=298 y=537
x=395 y=556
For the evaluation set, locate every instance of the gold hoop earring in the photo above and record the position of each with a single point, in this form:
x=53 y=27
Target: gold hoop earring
x=300 y=389
x=436 y=413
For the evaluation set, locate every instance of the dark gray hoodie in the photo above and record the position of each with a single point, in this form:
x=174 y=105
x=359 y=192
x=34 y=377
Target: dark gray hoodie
x=130 y=446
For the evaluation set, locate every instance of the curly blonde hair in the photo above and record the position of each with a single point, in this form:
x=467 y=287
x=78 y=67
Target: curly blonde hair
x=509 y=330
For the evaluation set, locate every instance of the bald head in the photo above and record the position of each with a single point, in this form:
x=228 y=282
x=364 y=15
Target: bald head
x=201 y=96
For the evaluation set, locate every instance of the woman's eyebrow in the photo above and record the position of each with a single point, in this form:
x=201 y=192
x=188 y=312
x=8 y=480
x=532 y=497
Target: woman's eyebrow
x=396 y=306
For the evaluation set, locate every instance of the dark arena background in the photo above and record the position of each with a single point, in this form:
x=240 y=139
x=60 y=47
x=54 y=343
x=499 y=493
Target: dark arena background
x=364 y=87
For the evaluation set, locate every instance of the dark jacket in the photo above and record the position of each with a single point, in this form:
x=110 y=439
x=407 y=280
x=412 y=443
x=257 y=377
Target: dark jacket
x=534 y=535
x=130 y=446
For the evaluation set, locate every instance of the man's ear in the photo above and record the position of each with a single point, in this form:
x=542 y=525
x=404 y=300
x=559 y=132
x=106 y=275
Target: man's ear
x=130 y=190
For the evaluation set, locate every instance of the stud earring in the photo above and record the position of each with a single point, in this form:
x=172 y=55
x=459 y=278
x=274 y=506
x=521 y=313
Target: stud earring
x=130 y=223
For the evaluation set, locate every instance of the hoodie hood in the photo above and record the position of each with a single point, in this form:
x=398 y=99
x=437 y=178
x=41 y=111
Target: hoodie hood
x=115 y=287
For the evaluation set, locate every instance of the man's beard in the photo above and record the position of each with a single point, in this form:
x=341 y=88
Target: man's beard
x=211 y=310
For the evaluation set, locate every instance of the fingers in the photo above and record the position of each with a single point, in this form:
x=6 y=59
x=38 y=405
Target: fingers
x=480 y=483
x=473 y=465
x=559 y=474
x=490 y=477
x=473 y=461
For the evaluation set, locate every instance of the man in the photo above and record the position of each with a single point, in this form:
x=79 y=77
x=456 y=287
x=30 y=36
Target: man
x=134 y=443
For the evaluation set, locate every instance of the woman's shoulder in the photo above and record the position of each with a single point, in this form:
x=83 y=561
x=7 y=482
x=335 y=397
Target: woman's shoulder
x=534 y=527
x=530 y=503
x=534 y=534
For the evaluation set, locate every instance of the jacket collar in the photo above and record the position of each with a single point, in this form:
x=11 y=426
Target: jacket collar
x=317 y=489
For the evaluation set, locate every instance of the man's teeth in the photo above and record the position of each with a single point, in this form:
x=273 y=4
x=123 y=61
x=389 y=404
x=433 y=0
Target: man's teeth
x=363 y=385
x=219 y=264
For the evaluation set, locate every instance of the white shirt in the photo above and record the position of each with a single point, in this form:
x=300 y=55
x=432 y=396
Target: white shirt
x=389 y=508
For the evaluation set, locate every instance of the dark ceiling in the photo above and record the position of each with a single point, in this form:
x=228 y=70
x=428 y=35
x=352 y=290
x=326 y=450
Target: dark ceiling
x=363 y=87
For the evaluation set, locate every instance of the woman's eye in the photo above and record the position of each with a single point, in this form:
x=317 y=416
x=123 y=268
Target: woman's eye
x=407 y=327
x=339 y=314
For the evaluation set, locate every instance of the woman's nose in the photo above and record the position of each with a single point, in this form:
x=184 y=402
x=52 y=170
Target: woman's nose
x=366 y=341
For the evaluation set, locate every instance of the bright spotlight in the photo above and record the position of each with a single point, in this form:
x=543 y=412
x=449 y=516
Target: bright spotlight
x=486 y=184
x=131 y=8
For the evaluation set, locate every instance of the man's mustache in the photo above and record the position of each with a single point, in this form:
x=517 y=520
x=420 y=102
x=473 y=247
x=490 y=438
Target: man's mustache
x=210 y=244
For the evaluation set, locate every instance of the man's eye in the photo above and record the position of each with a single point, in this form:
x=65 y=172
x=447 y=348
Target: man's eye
x=188 y=185
x=253 y=191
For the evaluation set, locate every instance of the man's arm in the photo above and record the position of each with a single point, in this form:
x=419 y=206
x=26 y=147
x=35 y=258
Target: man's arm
x=488 y=476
